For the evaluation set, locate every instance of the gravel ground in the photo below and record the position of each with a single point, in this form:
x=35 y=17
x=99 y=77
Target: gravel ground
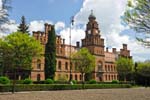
x=93 y=94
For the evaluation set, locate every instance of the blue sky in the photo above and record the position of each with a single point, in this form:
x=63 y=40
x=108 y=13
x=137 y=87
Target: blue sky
x=55 y=10
x=108 y=14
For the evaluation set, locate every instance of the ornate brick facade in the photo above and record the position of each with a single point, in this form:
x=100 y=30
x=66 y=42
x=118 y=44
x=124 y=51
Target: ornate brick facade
x=105 y=69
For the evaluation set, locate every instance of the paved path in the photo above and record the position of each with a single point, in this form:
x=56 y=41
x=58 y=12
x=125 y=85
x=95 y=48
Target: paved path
x=94 y=94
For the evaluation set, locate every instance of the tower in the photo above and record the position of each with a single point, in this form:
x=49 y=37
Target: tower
x=93 y=40
x=95 y=44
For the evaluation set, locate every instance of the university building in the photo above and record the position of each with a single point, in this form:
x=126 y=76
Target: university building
x=105 y=69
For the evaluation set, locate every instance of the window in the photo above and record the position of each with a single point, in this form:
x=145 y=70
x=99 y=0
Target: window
x=38 y=77
x=106 y=68
x=66 y=65
x=38 y=64
x=76 y=77
x=59 y=65
x=106 y=77
x=100 y=67
x=80 y=77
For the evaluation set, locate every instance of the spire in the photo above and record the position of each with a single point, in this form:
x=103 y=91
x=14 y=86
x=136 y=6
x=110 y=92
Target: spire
x=92 y=16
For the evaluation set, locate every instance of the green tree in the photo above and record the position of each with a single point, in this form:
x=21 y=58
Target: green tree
x=144 y=68
x=50 y=55
x=124 y=67
x=137 y=16
x=84 y=61
x=20 y=49
x=23 y=27
x=17 y=51
x=143 y=73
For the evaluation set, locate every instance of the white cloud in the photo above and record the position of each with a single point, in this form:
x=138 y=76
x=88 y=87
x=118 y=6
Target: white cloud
x=7 y=28
x=76 y=35
x=59 y=25
x=108 y=13
x=37 y=25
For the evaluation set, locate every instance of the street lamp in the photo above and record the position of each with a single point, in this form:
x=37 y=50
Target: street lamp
x=71 y=24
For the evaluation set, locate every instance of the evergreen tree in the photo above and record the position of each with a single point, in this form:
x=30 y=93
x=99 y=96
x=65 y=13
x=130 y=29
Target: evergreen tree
x=50 y=55
x=23 y=27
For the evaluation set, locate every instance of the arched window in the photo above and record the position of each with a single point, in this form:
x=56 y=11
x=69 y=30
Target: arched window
x=66 y=65
x=59 y=65
x=100 y=67
x=38 y=77
x=106 y=77
x=38 y=64
x=80 y=77
x=76 y=77
x=106 y=68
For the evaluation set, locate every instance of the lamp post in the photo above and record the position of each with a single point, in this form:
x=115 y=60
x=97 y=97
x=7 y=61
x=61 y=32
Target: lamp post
x=71 y=24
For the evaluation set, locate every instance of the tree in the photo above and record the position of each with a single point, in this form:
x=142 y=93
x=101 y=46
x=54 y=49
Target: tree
x=84 y=62
x=137 y=16
x=23 y=27
x=143 y=72
x=124 y=67
x=50 y=55
x=18 y=49
x=4 y=8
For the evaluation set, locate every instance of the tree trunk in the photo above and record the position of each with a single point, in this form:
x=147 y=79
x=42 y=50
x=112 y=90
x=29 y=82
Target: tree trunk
x=82 y=75
x=14 y=81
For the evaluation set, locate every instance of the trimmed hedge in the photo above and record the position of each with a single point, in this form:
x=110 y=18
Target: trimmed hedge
x=4 y=80
x=49 y=81
x=48 y=87
x=92 y=82
x=27 y=81
x=115 y=82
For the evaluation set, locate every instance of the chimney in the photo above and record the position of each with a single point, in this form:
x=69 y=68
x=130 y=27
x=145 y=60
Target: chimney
x=63 y=41
x=114 y=50
x=125 y=46
x=107 y=49
x=78 y=44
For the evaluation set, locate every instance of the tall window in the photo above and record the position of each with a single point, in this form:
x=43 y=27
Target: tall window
x=38 y=64
x=59 y=65
x=100 y=67
x=108 y=67
x=38 y=77
x=80 y=77
x=66 y=65
x=76 y=77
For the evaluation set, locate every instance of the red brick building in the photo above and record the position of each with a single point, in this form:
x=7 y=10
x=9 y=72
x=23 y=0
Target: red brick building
x=105 y=69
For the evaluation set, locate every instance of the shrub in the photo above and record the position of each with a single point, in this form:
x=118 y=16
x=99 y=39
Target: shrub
x=27 y=81
x=48 y=81
x=74 y=81
x=48 y=87
x=92 y=82
x=115 y=82
x=4 y=80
